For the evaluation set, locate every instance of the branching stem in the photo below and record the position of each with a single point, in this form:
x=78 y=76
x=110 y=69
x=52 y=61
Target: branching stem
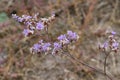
x=85 y=64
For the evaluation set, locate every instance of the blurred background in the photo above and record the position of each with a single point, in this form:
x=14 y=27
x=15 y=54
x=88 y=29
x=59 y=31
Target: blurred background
x=89 y=18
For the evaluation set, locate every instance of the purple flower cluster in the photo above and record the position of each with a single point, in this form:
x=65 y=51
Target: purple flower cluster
x=72 y=36
x=67 y=38
x=27 y=32
x=41 y=47
x=39 y=26
x=111 y=43
x=56 y=48
x=63 y=40
x=21 y=19
x=32 y=23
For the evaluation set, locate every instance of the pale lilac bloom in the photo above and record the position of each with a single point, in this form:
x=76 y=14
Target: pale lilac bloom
x=71 y=35
x=46 y=47
x=113 y=33
x=41 y=47
x=105 y=45
x=57 y=46
x=26 y=32
x=36 y=47
x=115 y=45
x=20 y=19
x=39 y=26
x=28 y=23
x=63 y=39
x=26 y=17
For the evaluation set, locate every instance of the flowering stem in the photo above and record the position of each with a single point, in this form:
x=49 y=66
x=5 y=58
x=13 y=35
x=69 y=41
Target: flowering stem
x=85 y=64
x=105 y=62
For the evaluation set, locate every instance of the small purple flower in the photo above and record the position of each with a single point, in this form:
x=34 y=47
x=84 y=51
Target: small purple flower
x=115 y=45
x=105 y=45
x=26 y=32
x=46 y=47
x=113 y=33
x=71 y=35
x=57 y=46
x=28 y=23
x=20 y=19
x=63 y=39
x=36 y=47
x=41 y=47
x=26 y=17
x=39 y=26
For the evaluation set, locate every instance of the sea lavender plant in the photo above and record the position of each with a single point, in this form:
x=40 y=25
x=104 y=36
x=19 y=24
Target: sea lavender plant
x=110 y=45
x=34 y=23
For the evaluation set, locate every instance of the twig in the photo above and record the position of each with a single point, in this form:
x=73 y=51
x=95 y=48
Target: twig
x=105 y=61
x=83 y=63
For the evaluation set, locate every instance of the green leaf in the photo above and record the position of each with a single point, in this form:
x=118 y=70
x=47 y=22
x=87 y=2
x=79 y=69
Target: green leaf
x=3 y=17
